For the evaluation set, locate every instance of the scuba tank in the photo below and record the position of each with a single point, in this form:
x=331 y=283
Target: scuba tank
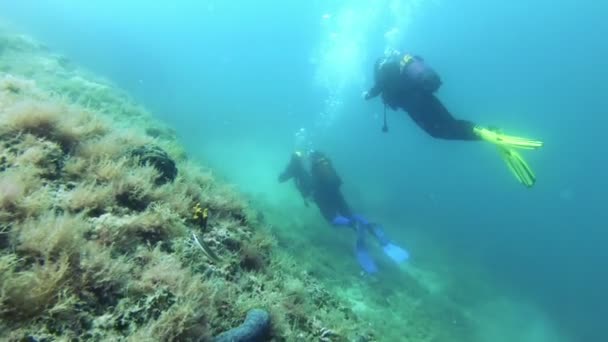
x=417 y=75
x=323 y=173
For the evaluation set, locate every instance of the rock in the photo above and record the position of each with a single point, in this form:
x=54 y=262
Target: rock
x=159 y=159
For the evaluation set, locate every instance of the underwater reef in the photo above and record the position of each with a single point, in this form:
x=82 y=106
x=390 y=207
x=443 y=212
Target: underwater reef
x=108 y=232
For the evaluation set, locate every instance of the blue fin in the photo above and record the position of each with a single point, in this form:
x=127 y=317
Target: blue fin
x=396 y=253
x=380 y=235
x=360 y=219
x=364 y=258
x=340 y=221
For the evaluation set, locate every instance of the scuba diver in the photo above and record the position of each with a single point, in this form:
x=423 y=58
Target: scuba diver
x=316 y=179
x=407 y=82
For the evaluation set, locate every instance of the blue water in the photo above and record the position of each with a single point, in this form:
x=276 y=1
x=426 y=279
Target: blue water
x=238 y=79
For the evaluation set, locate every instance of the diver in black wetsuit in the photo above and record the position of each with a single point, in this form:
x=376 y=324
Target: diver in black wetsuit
x=406 y=82
x=322 y=183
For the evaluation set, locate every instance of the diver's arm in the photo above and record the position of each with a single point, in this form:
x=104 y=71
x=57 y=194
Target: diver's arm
x=286 y=175
x=291 y=170
x=373 y=92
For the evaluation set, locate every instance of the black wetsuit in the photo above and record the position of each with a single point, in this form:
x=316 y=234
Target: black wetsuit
x=400 y=91
x=322 y=183
x=326 y=185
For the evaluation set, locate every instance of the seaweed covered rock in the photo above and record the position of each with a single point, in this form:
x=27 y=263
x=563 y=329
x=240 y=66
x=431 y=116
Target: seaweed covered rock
x=159 y=159
x=91 y=248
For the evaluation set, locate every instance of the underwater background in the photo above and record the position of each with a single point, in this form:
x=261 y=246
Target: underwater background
x=238 y=79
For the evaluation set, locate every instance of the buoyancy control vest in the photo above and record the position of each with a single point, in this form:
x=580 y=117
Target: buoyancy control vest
x=405 y=73
x=323 y=173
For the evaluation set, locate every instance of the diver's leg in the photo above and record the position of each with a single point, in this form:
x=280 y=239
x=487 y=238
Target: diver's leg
x=327 y=210
x=343 y=216
x=342 y=207
x=328 y=204
x=432 y=116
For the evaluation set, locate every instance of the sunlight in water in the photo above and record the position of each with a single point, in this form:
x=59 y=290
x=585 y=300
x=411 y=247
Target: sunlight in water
x=343 y=59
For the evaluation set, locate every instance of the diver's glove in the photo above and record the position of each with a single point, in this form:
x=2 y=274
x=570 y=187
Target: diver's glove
x=507 y=146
